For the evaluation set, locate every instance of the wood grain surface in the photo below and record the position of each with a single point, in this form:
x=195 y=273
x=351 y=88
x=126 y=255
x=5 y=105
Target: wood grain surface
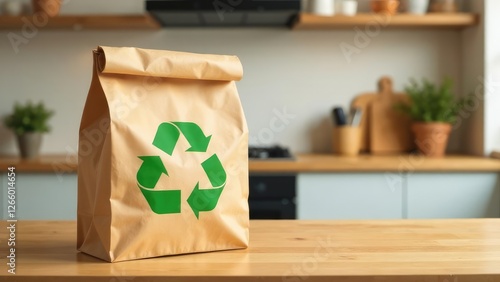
x=353 y=251
x=302 y=163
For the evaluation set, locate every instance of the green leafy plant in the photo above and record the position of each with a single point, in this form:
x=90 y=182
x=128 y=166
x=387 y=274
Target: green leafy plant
x=432 y=103
x=29 y=118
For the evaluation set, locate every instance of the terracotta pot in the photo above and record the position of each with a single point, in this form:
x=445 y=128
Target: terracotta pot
x=385 y=6
x=432 y=138
x=49 y=7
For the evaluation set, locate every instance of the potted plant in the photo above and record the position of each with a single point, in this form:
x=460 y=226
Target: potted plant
x=433 y=110
x=29 y=122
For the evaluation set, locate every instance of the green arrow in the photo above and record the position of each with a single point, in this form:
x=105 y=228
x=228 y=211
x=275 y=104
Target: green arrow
x=207 y=199
x=194 y=135
x=214 y=170
x=163 y=201
x=160 y=201
x=204 y=200
x=166 y=137
x=150 y=171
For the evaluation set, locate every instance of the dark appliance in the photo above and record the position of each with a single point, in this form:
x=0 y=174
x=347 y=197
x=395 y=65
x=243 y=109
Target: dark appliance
x=272 y=196
x=270 y=153
x=223 y=12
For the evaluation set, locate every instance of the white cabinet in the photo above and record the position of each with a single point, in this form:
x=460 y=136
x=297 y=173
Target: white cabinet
x=43 y=196
x=348 y=196
x=392 y=196
x=319 y=196
x=453 y=195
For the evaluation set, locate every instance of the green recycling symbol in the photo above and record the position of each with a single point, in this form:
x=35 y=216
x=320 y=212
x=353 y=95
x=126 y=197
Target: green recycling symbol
x=152 y=168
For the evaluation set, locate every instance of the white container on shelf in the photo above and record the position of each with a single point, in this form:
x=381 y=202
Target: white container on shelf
x=322 y=7
x=12 y=7
x=349 y=7
x=418 y=7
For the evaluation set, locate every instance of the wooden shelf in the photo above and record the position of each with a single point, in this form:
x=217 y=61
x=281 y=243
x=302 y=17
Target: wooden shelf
x=303 y=163
x=431 y=20
x=79 y=22
x=44 y=164
x=373 y=163
x=303 y=21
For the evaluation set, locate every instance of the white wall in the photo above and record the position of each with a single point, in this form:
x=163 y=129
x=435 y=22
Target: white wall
x=304 y=71
x=492 y=71
x=481 y=72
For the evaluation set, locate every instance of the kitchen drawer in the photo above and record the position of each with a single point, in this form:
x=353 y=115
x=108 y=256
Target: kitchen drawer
x=349 y=196
x=453 y=195
x=43 y=196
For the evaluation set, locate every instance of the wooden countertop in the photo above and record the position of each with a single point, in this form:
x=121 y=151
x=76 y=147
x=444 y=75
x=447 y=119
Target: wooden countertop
x=302 y=163
x=371 y=163
x=351 y=251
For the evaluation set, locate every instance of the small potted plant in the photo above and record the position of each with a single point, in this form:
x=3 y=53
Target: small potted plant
x=433 y=110
x=29 y=122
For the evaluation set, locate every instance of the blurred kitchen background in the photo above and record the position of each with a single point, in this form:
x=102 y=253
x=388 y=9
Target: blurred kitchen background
x=304 y=72
x=299 y=73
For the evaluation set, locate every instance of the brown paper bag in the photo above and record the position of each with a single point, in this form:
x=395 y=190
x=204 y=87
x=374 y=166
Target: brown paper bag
x=163 y=162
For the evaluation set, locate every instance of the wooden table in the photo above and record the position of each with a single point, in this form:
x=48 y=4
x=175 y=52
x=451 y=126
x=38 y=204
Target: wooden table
x=295 y=251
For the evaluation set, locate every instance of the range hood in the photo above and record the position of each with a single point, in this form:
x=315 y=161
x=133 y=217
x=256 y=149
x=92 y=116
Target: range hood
x=223 y=12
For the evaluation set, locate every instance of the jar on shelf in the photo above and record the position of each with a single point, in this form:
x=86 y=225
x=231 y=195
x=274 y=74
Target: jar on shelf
x=49 y=7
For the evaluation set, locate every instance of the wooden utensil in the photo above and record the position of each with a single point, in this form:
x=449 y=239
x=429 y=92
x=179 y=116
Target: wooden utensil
x=389 y=130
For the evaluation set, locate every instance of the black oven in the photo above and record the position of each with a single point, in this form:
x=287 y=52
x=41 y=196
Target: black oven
x=272 y=197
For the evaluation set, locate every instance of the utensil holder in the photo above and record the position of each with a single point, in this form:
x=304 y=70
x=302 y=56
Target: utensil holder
x=346 y=140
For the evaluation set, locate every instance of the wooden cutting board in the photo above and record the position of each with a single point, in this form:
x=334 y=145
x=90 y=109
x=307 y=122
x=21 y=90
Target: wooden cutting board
x=389 y=130
x=363 y=102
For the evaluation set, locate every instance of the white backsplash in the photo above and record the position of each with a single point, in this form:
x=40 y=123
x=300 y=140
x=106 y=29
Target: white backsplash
x=304 y=73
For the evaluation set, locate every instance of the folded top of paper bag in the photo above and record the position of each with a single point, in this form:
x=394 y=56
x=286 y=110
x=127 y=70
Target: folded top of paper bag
x=160 y=63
